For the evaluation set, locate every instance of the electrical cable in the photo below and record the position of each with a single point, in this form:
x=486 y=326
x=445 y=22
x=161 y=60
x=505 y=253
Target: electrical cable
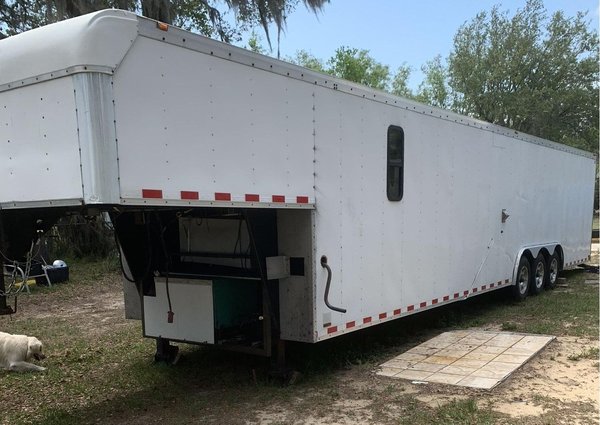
x=263 y=277
x=163 y=229
x=120 y=255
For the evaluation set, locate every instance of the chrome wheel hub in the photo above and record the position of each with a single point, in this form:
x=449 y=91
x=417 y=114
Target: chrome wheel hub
x=553 y=271
x=523 y=279
x=539 y=275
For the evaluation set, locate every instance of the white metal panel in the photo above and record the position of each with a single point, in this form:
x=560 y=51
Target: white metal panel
x=187 y=121
x=296 y=292
x=550 y=196
x=349 y=228
x=192 y=305
x=445 y=240
x=96 y=39
x=131 y=296
x=97 y=140
x=39 y=144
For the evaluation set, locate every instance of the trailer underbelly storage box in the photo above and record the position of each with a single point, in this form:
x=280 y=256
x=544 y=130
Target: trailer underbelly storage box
x=255 y=201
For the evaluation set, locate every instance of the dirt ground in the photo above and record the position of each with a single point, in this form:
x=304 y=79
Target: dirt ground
x=558 y=386
x=551 y=388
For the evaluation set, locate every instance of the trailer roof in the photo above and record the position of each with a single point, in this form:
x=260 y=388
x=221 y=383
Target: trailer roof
x=98 y=42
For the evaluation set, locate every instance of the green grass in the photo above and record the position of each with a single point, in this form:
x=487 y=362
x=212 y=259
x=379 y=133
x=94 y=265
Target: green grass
x=463 y=412
x=571 y=311
x=590 y=353
x=104 y=373
x=509 y=326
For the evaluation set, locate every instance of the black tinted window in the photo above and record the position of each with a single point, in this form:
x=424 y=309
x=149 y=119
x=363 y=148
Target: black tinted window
x=395 y=163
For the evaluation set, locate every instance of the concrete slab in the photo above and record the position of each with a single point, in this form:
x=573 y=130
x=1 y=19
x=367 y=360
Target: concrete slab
x=427 y=367
x=444 y=378
x=398 y=364
x=418 y=375
x=477 y=359
x=411 y=357
x=445 y=360
x=478 y=382
x=388 y=371
x=423 y=350
x=479 y=356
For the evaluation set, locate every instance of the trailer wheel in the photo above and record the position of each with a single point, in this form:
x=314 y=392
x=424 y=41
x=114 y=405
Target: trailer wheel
x=521 y=286
x=540 y=272
x=553 y=268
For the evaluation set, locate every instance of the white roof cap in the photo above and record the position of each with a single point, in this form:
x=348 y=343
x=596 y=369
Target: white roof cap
x=96 y=39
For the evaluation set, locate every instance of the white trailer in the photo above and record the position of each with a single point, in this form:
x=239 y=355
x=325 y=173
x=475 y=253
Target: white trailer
x=254 y=199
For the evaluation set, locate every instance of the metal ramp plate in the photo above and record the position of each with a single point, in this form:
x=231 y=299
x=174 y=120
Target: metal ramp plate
x=477 y=359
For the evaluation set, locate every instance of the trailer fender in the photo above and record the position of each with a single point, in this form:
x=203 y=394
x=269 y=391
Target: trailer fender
x=534 y=250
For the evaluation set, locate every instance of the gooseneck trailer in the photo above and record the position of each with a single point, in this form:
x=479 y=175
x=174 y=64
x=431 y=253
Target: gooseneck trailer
x=255 y=201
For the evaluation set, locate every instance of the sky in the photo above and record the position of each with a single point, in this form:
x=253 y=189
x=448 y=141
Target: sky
x=396 y=31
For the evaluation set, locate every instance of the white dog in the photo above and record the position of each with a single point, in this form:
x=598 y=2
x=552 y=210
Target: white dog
x=16 y=351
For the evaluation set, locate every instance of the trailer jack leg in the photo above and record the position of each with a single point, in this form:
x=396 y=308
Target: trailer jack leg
x=5 y=309
x=279 y=367
x=165 y=352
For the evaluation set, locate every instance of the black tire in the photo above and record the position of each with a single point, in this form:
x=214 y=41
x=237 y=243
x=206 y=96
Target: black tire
x=523 y=282
x=539 y=274
x=553 y=269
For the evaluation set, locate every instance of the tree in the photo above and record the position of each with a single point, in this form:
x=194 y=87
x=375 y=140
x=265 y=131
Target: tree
x=434 y=89
x=307 y=60
x=400 y=82
x=207 y=17
x=532 y=73
x=254 y=44
x=358 y=66
x=350 y=64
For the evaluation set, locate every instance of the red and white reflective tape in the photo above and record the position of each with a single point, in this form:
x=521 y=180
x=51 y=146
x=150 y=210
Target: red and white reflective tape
x=332 y=330
x=576 y=262
x=190 y=195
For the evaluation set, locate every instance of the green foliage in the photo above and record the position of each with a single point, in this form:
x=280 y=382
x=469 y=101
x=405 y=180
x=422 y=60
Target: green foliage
x=82 y=237
x=400 y=82
x=19 y=16
x=254 y=44
x=590 y=353
x=531 y=73
x=358 y=66
x=193 y=15
x=307 y=60
x=434 y=89
x=208 y=17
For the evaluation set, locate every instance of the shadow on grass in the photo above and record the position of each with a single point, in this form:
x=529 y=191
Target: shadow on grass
x=207 y=383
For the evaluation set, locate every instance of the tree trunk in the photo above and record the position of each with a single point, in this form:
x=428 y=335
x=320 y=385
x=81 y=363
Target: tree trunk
x=161 y=10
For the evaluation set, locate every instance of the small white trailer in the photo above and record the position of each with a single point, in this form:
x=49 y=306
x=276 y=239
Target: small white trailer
x=257 y=201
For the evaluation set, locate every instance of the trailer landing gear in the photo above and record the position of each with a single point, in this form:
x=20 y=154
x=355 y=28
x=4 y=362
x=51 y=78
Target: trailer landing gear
x=5 y=309
x=280 y=371
x=165 y=352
